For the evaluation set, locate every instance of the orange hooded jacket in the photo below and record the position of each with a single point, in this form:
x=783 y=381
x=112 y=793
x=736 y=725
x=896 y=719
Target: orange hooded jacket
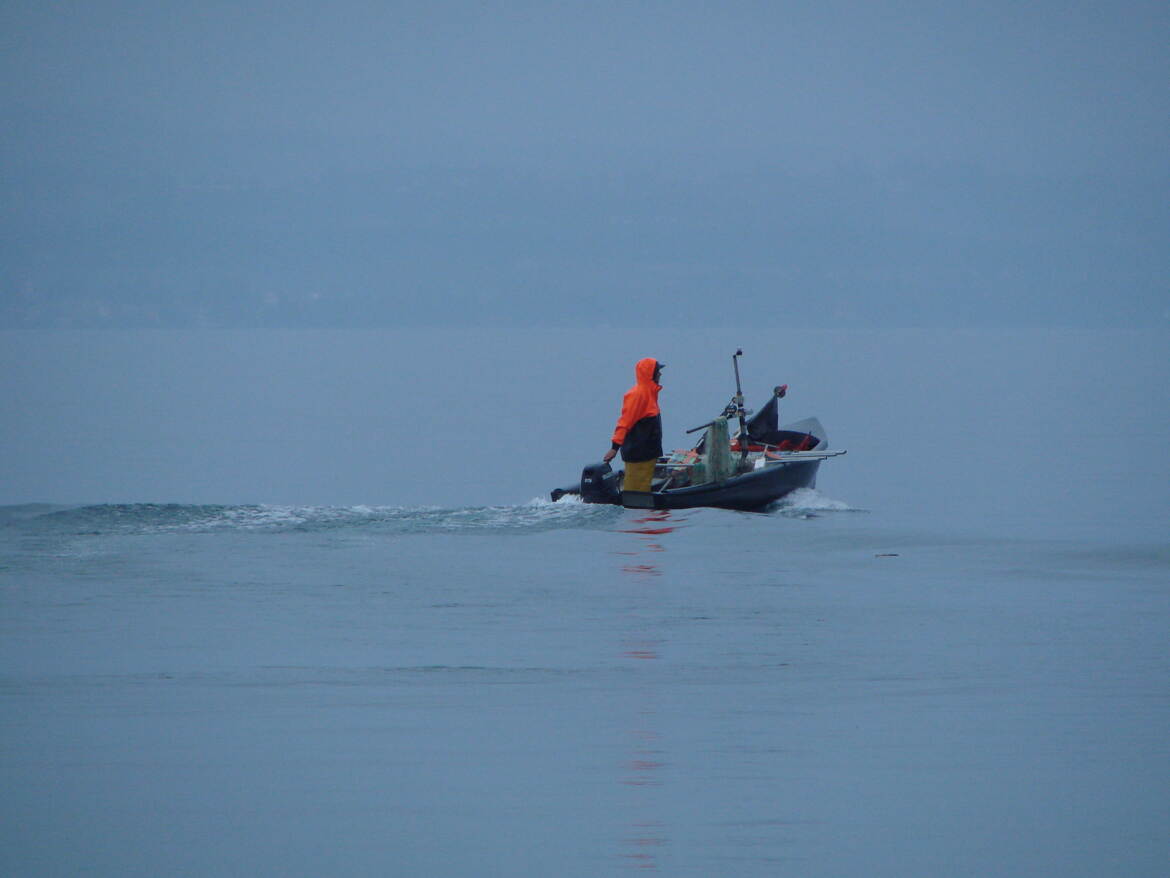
x=639 y=429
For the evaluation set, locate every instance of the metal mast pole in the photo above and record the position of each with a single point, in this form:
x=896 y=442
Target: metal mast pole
x=743 y=432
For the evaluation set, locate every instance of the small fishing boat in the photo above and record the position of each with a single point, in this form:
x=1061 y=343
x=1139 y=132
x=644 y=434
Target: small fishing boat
x=757 y=466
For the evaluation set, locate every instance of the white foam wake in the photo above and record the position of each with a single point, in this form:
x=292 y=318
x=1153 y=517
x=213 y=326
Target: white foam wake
x=808 y=502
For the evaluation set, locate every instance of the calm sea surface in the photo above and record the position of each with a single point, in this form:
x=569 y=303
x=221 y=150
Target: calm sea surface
x=950 y=659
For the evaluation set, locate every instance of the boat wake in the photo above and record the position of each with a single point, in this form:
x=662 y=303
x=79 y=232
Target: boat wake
x=809 y=503
x=156 y=518
x=537 y=515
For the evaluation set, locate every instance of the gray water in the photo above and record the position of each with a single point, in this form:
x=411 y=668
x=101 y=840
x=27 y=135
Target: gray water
x=292 y=604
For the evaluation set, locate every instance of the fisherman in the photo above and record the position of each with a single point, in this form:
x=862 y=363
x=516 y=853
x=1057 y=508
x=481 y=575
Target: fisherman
x=638 y=434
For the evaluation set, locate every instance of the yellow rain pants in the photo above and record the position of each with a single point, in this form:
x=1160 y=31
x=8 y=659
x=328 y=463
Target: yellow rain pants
x=638 y=475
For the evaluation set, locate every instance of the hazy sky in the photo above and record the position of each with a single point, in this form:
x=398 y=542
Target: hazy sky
x=355 y=164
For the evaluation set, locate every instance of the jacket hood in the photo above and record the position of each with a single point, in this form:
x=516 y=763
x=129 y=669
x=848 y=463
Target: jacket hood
x=644 y=370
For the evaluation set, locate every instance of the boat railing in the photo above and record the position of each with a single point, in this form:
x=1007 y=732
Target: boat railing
x=793 y=456
x=774 y=457
x=774 y=451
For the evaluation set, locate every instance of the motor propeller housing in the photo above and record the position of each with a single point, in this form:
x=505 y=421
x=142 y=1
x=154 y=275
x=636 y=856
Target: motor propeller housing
x=600 y=484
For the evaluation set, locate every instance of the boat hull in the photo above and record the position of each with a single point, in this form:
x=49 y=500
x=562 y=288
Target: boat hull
x=749 y=492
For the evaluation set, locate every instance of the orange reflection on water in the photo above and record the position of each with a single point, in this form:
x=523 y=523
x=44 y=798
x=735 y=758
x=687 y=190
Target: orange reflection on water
x=652 y=524
x=641 y=649
x=646 y=839
x=645 y=768
x=657 y=517
x=643 y=569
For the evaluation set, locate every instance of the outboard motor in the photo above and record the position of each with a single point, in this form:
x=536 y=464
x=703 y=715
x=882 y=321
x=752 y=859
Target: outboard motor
x=600 y=484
